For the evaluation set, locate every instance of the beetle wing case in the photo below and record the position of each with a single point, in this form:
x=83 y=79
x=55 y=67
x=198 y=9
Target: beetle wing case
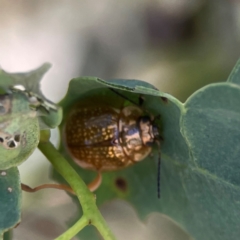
x=104 y=138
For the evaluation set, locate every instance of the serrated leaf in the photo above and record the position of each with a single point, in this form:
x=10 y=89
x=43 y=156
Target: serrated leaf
x=200 y=165
x=10 y=200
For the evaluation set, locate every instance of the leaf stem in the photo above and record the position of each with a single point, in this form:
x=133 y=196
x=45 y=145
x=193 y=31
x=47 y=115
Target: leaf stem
x=72 y=231
x=91 y=214
x=7 y=235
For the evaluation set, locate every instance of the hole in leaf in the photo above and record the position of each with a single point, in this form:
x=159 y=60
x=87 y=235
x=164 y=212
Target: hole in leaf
x=17 y=137
x=165 y=100
x=121 y=184
x=11 y=144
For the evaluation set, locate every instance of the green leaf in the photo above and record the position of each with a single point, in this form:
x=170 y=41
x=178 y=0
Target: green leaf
x=10 y=200
x=210 y=124
x=23 y=112
x=211 y=120
x=30 y=80
x=200 y=156
x=19 y=129
x=50 y=115
x=145 y=172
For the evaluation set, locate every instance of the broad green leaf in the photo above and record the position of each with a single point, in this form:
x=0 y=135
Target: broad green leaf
x=200 y=156
x=10 y=200
x=211 y=120
x=210 y=124
x=144 y=173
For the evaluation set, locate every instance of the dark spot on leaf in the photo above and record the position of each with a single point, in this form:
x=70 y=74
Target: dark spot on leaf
x=121 y=184
x=161 y=138
x=11 y=144
x=1 y=139
x=165 y=100
x=17 y=137
x=7 y=137
x=90 y=222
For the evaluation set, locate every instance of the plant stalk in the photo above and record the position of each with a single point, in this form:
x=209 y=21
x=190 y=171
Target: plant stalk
x=91 y=214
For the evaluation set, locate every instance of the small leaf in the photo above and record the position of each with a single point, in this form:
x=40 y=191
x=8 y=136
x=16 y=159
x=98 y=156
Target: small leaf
x=30 y=80
x=142 y=175
x=50 y=115
x=10 y=200
x=19 y=129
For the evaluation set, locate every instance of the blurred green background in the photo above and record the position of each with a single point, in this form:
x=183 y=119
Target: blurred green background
x=177 y=45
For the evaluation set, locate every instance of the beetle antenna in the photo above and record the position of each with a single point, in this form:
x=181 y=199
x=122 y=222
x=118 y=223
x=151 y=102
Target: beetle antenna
x=158 y=175
x=121 y=95
x=159 y=170
x=141 y=100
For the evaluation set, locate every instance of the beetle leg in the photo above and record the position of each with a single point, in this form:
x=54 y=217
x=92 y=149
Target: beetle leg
x=94 y=185
x=141 y=100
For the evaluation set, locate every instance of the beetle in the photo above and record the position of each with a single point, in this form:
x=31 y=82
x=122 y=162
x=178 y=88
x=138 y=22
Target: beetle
x=101 y=137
